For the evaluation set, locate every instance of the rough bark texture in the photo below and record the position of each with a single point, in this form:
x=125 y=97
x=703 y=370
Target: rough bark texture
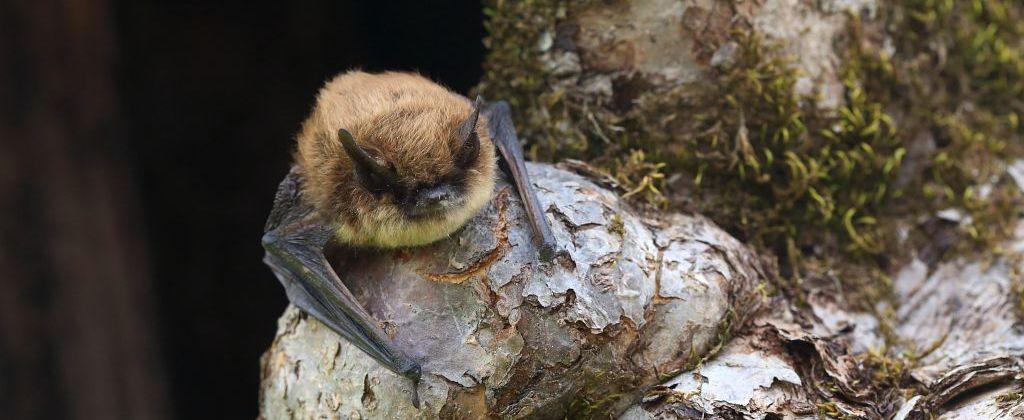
x=960 y=318
x=959 y=322
x=630 y=300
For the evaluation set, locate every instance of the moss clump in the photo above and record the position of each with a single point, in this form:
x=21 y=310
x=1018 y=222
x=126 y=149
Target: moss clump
x=617 y=226
x=520 y=34
x=641 y=178
x=956 y=73
x=767 y=169
x=761 y=166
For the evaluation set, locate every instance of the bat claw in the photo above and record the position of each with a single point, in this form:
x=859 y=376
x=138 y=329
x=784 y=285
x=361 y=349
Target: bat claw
x=547 y=252
x=414 y=372
x=416 y=394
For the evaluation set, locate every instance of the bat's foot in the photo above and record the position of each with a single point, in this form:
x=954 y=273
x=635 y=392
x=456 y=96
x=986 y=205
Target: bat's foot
x=416 y=393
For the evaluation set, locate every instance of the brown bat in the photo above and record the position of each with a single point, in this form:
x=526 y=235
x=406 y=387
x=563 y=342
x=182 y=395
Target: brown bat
x=385 y=161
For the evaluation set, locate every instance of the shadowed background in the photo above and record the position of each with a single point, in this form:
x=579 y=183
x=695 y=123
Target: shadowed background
x=140 y=146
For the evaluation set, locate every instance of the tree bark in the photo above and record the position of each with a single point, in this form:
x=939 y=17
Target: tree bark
x=959 y=317
x=596 y=333
x=630 y=300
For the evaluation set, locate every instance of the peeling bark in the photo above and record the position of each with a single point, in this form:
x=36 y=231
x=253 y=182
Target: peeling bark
x=630 y=300
x=959 y=319
x=963 y=319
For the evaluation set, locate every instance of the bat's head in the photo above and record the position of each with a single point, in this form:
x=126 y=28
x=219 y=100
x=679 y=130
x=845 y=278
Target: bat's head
x=410 y=176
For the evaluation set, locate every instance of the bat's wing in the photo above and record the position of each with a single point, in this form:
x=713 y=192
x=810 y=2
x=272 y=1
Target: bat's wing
x=294 y=239
x=503 y=133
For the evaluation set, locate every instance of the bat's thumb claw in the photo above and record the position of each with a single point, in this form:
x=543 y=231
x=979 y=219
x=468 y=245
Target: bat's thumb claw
x=547 y=252
x=413 y=372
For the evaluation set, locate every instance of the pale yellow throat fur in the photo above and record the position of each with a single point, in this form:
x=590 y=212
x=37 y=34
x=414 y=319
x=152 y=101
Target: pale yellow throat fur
x=386 y=227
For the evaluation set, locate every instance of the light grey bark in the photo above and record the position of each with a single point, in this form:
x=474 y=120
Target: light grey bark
x=959 y=323
x=631 y=299
x=959 y=318
x=600 y=332
x=962 y=318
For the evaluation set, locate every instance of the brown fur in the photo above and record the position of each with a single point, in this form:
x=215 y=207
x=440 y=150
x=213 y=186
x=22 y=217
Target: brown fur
x=400 y=118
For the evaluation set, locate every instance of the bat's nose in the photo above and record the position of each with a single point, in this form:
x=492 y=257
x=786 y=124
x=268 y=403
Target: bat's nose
x=433 y=200
x=437 y=195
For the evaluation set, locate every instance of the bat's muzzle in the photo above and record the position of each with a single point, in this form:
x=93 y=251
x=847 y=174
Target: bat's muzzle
x=435 y=201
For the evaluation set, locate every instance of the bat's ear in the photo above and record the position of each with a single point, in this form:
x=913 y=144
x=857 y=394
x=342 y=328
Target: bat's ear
x=467 y=153
x=371 y=173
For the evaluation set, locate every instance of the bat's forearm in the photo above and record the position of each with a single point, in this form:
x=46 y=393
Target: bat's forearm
x=294 y=242
x=505 y=139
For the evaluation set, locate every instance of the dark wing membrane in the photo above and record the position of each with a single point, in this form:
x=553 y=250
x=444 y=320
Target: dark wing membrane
x=503 y=133
x=294 y=241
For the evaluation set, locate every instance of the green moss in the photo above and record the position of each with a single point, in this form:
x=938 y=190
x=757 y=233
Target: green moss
x=829 y=409
x=769 y=167
x=888 y=370
x=792 y=175
x=789 y=175
x=512 y=66
x=958 y=68
x=812 y=187
x=953 y=75
x=617 y=226
x=641 y=178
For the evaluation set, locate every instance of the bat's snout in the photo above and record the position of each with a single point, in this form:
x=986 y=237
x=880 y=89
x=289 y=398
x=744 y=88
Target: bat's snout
x=434 y=200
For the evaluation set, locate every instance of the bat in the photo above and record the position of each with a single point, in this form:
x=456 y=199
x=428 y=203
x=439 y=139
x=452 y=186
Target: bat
x=384 y=161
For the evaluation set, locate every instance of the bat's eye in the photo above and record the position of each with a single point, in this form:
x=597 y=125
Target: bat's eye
x=376 y=182
x=375 y=176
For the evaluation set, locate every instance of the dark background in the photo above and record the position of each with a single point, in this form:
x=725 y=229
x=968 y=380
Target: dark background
x=140 y=146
